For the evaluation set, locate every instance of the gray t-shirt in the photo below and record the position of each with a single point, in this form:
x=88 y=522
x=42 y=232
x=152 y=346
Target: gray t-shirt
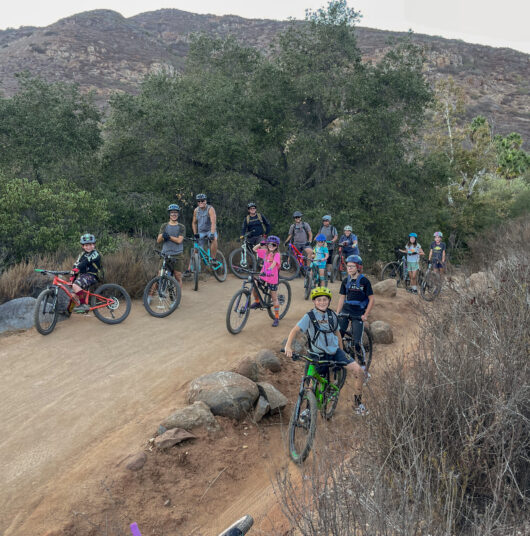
x=300 y=232
x=169 y=247
x=413 y=252
x=327 y=343
x=329 y=232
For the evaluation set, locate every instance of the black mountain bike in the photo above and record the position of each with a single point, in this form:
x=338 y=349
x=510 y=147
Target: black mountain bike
x=367 y=345
x=397 y=270
x=430 y=284
x=162 y=294
x=239 y=306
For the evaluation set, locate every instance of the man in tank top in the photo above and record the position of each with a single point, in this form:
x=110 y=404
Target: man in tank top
x=204 y=223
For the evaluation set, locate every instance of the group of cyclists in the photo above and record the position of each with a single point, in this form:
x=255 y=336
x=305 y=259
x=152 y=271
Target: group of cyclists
x=323 y=327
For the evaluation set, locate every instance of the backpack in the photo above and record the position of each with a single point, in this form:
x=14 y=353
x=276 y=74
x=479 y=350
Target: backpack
x=333 y=231
x=258 y=215
x=305 y=227
x=362 y=304
x=333 y=322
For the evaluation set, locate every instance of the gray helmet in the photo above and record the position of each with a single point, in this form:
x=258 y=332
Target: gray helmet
x=327 y=217
x=87 y=239
x=251 y=204
x=173 y=206
x=348 y=228
x=200 y=197
x=297 y=214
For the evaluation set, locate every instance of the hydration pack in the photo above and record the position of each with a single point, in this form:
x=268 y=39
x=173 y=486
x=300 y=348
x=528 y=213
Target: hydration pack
x=356 y=284
x=333 y=322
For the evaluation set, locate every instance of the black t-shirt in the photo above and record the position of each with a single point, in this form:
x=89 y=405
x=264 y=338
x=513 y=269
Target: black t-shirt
x=437 y=251
x=354 y=294
x=90 y=263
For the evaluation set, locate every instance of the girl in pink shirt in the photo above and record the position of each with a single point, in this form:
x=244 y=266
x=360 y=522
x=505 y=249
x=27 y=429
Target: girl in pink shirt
x=270 y=273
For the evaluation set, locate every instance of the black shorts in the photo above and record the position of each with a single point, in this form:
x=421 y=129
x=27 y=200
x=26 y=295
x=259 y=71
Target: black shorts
x=340 y=357
x=271 y=286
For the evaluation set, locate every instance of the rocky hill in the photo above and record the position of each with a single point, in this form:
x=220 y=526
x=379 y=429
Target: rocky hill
x=106 y=52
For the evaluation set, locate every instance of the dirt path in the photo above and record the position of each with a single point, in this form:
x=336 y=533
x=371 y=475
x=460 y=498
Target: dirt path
x=77 y=401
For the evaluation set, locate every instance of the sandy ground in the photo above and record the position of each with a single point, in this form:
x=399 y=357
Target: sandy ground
x=78 y=402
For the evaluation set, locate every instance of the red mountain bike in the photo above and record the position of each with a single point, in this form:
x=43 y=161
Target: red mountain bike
x=292 y=263
x=111 y=303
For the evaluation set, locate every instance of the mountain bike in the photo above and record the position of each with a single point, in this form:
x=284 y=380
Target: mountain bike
x=110 y=302
x=397 y=270
x=198 y=254
x=243 y=258
x=319 y=391
x=311 y=280
x=430 y=283
x=293 y=263
x=162 y=294
x=338 y=268
x=239 y=306
x=367 y=344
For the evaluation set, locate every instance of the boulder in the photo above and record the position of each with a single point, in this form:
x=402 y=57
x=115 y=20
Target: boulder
x=299 y=345
x=226 y=393
x=17 y=314
x=249 y=368
x=388 y=287
x=276 y=400
x=172 y=437
x=136 y=462
x=194 y=416
x=382 y=332
x=261 y=409
x=269 y=360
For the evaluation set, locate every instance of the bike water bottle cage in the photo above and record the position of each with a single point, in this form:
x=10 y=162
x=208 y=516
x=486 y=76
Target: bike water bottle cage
x=350 y=284
x=333 y=323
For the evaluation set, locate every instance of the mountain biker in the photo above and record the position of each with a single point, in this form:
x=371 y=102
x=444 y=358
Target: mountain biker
x=172 y=235
x=413 y=251
x=88 y=269
x=320 y=257
x=301 y=236
x=321 y=325
x=268 y=251
x=256 y=224
x=355 y=303
x=348 y=241
x=332 y=236
x=437 y=253
x=204 y=223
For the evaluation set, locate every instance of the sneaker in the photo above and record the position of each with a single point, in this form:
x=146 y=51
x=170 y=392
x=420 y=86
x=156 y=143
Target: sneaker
x=255 y=305
x=187 y=273
x=276 y=323
x=82 y=308
x=361 y=410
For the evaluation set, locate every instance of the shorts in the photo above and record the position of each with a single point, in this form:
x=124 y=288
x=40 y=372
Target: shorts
x=270 y=286
x=301 y=247
x=438 y=264
x=330 y=258
x=340 y=357
x=413 y=266
x=176 y=262
x=86 y=280
x=320 y=264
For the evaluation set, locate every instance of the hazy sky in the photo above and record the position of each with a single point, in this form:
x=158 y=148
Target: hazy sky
x=503 y=23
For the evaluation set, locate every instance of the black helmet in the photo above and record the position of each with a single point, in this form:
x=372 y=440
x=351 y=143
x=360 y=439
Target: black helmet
x=200 y=197
x=297 y=214
x=251 y=204
x=87 y=239
x=173 y=206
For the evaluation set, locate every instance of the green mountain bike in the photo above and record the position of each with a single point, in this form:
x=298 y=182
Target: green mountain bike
x=319 y=391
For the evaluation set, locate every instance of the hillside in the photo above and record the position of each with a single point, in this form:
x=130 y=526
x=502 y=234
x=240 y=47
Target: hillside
x=106 y=52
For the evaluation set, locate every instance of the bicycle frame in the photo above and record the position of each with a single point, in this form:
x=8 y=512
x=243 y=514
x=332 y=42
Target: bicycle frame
x=254 y=283
x=315 y=382
x=204 y=254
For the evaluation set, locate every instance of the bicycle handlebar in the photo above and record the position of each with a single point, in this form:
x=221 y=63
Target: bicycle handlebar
x=296 y=357
x=52 y=272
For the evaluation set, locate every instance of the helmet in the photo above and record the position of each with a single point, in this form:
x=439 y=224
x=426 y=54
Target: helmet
x=348 y=228
x=356 y=259
x=438 y=233
x=273 y=240
x=320 y=291
x=327 y=217
x=297 y=214
x=173 y=207
x=251 y=204
x=320 y=237
x=200 y=197
x=87 y=239
x=413 y=234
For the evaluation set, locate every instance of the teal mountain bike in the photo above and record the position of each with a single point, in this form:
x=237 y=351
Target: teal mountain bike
x=200 y=255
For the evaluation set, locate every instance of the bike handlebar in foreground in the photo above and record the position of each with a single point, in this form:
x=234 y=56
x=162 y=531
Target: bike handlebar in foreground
x=296 y=357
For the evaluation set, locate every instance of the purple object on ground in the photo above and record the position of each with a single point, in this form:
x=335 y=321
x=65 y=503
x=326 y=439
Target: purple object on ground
x=135 y=530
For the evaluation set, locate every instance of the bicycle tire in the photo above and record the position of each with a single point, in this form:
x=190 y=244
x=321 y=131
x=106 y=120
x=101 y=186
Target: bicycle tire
x=289 y=267
x=221 y=271
x=303 y=421
x=284 y=297
x=337 y=377
x=238 y=311
x=162 y=296
x=307 y=284
x=236 y=267
x=368 y=345
x=119 y=296
x=42 y=310
x=335 y=269
x=195 y=267
x=241 y=526
x=392 y=270
x=430 y=286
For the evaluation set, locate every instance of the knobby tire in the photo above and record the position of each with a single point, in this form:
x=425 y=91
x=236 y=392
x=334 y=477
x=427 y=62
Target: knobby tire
x=162 y=296
x=45 y=313
x=284 y=297
x=118 y=310
x=221 y=271
x=289 y=267
x=305 y=429
x=238 y=310
x=196 y=264
x=234 y=261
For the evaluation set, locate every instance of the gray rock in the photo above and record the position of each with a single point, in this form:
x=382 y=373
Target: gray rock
x=194 y=416
x=17 y=314
x=382 y=332
x=136 y=462
x=299 y=345
x=226 y=393
x=172 y=437
x=276 y=400
x=388 y=287
x=261 y=409
x=249 y=368
x=269 y=360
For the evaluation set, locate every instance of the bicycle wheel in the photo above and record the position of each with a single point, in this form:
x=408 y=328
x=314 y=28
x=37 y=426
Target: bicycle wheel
x=335 y=269
x=240 y=527
x=430 y=286
x=45 y=314
x=238 y=311
x=117 y=310
x=161 y=296
x=284 y=297
x=368 y=346
x=195 y=265
x=218 y=266
x=337 y=377
x=392 y=270
x=289 y=267
x=239 y=261
x=307 y=284
x=302 y=426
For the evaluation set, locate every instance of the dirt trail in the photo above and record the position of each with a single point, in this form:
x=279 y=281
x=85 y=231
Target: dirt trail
x=78 y=401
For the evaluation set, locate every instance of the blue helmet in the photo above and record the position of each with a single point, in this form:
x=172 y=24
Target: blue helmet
x=356 y=259
x=327 y=217
x=173 y=206
x=320 y=237
x=413 y=234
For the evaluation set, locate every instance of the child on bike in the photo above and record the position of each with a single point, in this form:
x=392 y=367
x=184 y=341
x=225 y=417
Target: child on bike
x=437 y=253
x=268 y=251
x=320 y=257
x=348 y=241
x=355 y=303
x=413 y=251
x=88 y=270
x=321 y=325
x=172 y=235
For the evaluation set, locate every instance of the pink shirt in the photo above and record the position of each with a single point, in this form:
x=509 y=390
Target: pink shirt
x=271 y=275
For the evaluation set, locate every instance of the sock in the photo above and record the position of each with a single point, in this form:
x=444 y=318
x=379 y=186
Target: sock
x=277 y=312
x=357 y=400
